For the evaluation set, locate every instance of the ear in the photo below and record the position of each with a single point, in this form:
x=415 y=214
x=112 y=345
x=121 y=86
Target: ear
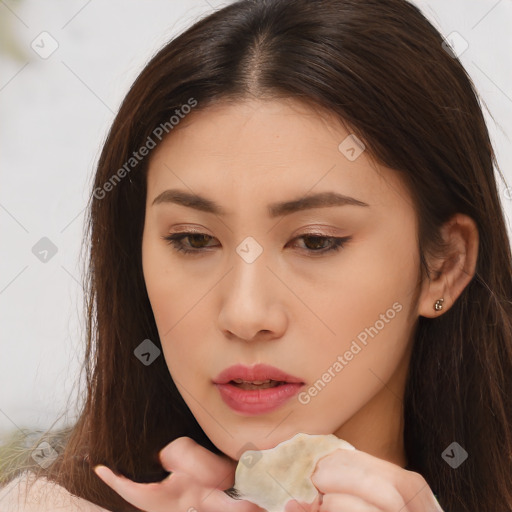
x=455 y=269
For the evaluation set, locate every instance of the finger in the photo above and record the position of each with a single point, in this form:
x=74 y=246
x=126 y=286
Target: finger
x=301 y=506
x=144 y=496
x=358 y=475
x=176 y=492
x=342 y=502
x=186 y=456
x=418 y=495
x=217 y=501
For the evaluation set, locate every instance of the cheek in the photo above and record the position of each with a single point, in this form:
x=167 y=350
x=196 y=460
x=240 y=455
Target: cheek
x=348 y=376
x=167 y=293
x=370 y=290
x=170 y=290
x=367 y=308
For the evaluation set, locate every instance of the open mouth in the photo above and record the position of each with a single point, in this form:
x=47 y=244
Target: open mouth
x=269 y=383
x=252 y=393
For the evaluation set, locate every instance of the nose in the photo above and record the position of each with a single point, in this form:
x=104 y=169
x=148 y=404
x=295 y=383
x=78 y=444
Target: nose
x=252 y=302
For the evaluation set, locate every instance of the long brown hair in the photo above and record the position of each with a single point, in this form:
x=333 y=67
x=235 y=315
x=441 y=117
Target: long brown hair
x=381 y=67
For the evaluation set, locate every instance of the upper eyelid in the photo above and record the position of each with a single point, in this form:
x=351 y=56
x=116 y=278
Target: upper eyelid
x=184 y=234
x=303 y=233
x=313 y=231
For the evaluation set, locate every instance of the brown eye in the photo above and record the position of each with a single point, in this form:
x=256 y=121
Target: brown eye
x=199 y=240
x=316 y=243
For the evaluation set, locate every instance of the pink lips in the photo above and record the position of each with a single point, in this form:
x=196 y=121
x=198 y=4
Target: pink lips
x=256 y=401
x=254 y=373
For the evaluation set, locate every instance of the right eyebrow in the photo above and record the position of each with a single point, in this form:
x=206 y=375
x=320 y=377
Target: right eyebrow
x=319 y=200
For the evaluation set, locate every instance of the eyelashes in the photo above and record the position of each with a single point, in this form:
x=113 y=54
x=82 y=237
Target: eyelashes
x=176 y=241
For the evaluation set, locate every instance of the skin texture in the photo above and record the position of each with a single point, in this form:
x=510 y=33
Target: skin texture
x=294 y=309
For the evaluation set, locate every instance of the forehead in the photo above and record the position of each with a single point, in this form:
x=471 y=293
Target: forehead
x=273 y=148
x=275 y=129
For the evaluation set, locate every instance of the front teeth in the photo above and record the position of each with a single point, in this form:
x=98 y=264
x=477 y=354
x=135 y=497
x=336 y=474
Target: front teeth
x=257 y=382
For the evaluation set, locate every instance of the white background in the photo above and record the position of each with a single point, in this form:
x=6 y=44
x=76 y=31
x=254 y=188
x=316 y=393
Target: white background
x=55 y=114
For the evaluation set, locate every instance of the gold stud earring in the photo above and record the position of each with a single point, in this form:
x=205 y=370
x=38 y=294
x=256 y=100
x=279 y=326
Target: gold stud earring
x=438 y=305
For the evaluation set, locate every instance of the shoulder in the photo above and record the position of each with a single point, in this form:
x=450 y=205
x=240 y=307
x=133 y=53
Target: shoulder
x=27 y=494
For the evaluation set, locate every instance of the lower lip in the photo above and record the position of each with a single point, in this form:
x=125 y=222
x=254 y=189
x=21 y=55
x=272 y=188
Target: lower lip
x=257 y=401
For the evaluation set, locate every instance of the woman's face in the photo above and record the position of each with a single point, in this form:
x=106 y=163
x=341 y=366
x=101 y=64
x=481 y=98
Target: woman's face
x=261 y=287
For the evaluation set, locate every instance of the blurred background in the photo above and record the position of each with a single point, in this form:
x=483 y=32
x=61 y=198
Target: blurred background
x=65 y=67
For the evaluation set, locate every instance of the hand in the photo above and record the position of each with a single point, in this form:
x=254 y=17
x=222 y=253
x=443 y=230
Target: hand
x=355 y=481
x=195 y=484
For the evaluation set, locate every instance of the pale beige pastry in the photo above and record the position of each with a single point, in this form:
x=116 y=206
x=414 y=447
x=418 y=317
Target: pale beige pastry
x=270 y=478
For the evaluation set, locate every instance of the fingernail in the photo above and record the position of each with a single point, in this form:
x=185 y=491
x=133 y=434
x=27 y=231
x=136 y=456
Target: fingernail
x=100 y=470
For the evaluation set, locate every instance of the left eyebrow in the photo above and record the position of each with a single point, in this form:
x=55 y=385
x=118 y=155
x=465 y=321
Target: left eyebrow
x=319 y=200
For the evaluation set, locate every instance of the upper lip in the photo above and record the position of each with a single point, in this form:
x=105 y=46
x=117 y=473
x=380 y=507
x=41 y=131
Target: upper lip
x=258 y=372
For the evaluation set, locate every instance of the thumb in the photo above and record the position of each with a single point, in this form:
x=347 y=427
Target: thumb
x=186 y=456
x=297 y=506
